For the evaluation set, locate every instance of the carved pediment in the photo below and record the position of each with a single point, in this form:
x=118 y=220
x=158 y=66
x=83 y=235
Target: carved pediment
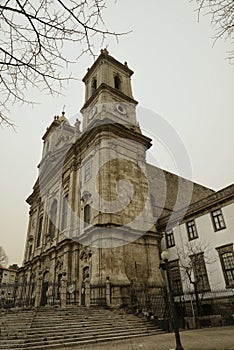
x=85 y=254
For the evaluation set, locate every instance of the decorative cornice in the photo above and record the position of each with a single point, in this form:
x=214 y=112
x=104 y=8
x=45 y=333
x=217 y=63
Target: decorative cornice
x=56 y=124
x=105 y=87
x=104 y=56
x=49 y=251
x=86 y=138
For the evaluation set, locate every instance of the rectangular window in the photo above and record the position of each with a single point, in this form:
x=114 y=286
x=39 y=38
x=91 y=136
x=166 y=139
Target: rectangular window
x=200 y=273
x=64 y=212
x=87 y=171
x=192 y=230
x=218 y=221
x=175 y=277
x=170 y=241
x=226 y=256
x=39 y=232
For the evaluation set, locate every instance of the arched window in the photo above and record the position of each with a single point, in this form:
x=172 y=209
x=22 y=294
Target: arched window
x=117 y=82
x=87 y=215
x=85 y=272
x=53 y=217
x=39 y=232
x=94 y=85
x=64 y=212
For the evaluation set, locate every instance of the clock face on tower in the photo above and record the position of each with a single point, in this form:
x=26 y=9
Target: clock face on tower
x=92 y=113
x=120 y=108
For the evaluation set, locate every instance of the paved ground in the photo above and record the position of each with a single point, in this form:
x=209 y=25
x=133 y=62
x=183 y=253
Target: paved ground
x=221 y=338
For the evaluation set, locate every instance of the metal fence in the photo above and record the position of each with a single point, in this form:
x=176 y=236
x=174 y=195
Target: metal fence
x=24 y=294
x=213 y=308
x=17 y=294
x=98 y=295
x=155 y=303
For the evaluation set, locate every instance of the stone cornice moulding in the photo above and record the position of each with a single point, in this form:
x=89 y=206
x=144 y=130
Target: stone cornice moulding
x=102 y=88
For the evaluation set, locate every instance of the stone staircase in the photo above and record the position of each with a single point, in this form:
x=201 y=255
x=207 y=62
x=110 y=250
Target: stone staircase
x=50 y=328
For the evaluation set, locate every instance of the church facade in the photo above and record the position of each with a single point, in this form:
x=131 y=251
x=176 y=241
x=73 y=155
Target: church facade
x=92 y=233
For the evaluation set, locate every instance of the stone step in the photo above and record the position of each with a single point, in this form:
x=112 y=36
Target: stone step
x=84 y=324
x=63 y=342
x=75 y=329
x=72 y=326
x=68 y=336
x=74 y=322
x=48 y=323
x=53 y=328
x=13 y=333
x=17 y=332
x=72 y=335
x=37 y=321
x=70 y=344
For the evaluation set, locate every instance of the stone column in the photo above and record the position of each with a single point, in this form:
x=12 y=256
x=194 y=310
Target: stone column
x=75 y=262
x=155 y=279
x=58 y=236
x=63 y=292
x=87 y=293
x=72 y=201
x=53 y=277
x=45 y=222
x=49 y=294
x=108 y=292
x=109 y=262
x=28 y=232
x=38 y=291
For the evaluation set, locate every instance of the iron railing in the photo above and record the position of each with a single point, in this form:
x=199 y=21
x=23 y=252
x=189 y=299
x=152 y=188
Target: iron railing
x=98 y=295
x=17 y=294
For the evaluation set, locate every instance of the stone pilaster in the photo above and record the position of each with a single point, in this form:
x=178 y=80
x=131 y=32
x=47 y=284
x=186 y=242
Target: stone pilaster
x=87 y=293
x=63 y=292
x=155 y=279
x=38 y=291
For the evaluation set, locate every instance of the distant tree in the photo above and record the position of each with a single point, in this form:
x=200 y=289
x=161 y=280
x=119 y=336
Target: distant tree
x=3 y=257
x=14 y=267
x=35 y=44
x=193 y=259
x=222 y=18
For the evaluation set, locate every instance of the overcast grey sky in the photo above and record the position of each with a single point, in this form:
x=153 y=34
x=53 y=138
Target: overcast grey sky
x=178 y=75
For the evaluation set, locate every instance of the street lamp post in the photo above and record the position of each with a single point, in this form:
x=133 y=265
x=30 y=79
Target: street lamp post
x=164 y=265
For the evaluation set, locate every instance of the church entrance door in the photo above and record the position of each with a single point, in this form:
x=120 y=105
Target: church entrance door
x=45 y=286
x=83 y=293
x=85 y=279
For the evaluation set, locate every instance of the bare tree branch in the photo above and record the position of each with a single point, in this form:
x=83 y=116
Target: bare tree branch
x=34 y=34
x=222 y=19
x=189 y=257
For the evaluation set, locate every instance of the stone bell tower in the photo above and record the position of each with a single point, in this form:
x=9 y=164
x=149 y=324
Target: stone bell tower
x=108 y=93
x=118 y=218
